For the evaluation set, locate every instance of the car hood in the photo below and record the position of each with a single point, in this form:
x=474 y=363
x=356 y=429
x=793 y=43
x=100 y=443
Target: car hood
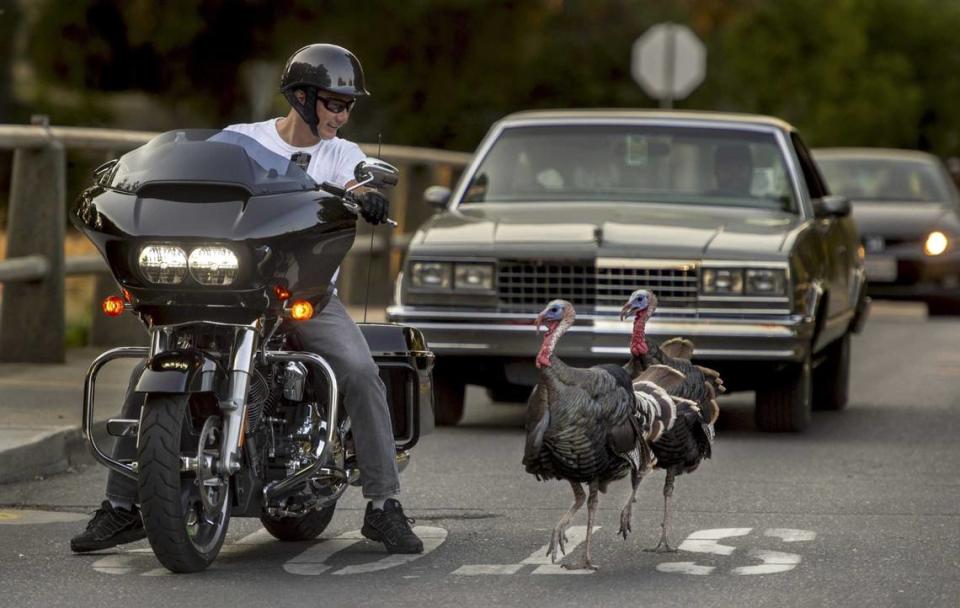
x=901 y=220
x=685 y=231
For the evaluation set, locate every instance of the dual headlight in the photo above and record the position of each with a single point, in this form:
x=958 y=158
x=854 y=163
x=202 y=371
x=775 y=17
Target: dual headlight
x=446 y=276
x=744 y=281
x=207 y=264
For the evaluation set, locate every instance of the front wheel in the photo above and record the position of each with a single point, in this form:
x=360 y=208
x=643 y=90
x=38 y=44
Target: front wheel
x=305 y=527
x=185 y=529
x=831 y=379
x=783 y=402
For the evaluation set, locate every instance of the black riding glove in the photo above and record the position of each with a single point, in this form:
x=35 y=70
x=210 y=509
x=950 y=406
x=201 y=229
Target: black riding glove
x=374 y=207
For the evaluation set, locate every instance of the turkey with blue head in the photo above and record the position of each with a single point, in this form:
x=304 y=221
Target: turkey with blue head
x=584 y=426
x=689 y=441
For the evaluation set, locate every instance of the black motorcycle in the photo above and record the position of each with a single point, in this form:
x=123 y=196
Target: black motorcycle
x=218 y=245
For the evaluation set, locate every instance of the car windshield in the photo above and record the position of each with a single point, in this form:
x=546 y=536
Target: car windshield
x=634 y=163
x=886 y=179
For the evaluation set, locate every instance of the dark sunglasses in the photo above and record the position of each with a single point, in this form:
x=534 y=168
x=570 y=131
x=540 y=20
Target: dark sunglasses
x=336 y=105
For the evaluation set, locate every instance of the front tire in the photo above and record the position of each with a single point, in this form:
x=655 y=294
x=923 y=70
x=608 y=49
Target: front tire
x=184 y=537
x=831 y=379
x=306 y=527
x=449 y=394
x=783 y=403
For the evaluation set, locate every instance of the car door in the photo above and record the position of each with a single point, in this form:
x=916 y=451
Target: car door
x=838 y=234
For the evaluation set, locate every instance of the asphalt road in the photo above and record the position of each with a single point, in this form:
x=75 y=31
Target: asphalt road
x=862 y=510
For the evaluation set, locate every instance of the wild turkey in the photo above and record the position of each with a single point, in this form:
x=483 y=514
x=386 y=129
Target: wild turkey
x=585 y=426
x=682 y=448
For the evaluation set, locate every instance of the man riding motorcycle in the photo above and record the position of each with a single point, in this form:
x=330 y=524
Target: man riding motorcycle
x=322 y=82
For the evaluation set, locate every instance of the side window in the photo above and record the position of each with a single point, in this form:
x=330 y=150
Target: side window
x=811 y=175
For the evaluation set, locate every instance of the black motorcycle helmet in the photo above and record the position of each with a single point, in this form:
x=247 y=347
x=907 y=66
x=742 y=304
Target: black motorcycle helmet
x=318 y=67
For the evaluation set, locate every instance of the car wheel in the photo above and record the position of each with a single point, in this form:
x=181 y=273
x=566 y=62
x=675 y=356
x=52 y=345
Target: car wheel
x=449 y=392
x=783 y=403
x=831 y=379
x=508 y=392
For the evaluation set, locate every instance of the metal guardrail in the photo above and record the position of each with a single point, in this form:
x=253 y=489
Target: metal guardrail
x=32 y=326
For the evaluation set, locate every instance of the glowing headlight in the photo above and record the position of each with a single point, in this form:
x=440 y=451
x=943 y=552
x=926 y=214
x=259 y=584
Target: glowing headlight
x=214 y=265
x=723 y=281
x=936 y=243
x=766 y=282
x=473 y=277
x=431 y=275
x=163 y=264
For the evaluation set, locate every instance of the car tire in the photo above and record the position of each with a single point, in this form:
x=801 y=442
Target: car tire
x=449 y=393
x=507 y=392
x=831 y=379
x=943 y=307
x=783 y=403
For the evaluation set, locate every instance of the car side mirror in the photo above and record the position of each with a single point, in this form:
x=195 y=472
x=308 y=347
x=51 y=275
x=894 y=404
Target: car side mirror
x=437 y=196
x=831 y=205
x=376 y=173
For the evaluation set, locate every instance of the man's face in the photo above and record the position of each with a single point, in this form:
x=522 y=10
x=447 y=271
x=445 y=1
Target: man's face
x=329 y=122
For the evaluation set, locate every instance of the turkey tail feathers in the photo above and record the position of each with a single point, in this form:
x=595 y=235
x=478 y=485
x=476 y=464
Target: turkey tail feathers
x=663 y=376
x=679 y=348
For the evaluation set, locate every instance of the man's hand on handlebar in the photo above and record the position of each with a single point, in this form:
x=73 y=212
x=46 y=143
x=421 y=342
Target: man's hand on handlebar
x=374 y=207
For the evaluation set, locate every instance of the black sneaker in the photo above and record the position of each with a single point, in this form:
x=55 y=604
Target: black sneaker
x=391 y=527
x=108 y=528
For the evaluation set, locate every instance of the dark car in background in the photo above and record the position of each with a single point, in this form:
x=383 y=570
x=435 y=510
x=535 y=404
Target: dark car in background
x=908 y=212
x=725 y=217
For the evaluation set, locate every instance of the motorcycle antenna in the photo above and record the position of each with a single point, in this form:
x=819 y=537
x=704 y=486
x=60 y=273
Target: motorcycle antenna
x=373 y=228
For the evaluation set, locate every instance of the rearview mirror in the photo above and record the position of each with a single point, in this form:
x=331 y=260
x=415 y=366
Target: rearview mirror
x=437 y=196
x=831 y=205
x=376 y=173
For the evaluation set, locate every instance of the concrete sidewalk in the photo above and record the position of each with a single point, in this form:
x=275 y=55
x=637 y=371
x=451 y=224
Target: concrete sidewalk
x=41 y=407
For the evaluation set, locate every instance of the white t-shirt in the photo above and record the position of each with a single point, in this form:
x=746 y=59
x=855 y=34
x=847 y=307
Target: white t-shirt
x=331 y=160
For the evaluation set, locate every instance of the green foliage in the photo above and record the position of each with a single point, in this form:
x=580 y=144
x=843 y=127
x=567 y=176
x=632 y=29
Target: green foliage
x=850 y=72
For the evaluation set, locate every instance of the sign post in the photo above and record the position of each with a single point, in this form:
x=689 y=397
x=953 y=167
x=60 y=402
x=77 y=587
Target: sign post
x=669 y=62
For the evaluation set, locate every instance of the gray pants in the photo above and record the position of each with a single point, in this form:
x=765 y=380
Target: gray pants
x=333 y=335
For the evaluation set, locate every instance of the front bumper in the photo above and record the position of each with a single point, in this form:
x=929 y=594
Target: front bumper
x=489 y=334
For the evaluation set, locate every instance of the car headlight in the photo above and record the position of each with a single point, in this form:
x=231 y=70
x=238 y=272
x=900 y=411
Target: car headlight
x=766 y=282
x=163 y=264
x=936 y=243
x=723 y=281
x=473 y=277
x=210 y=265
x=431 y=275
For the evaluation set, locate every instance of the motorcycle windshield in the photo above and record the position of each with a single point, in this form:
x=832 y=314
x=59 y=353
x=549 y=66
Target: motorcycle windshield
x=207 y=156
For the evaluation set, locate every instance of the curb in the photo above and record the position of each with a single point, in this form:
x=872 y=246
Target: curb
x=47 y=453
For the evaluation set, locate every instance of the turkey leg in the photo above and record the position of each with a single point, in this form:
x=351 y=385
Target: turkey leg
x=559 y=536
x=592 y=501
x=663 y=546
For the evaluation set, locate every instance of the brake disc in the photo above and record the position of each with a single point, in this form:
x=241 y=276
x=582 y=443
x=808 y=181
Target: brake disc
x=210 y=485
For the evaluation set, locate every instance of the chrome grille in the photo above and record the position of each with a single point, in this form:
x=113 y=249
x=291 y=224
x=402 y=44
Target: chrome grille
x=526 y=286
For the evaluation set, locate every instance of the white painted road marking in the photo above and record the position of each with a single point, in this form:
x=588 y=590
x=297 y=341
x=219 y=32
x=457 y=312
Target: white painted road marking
x=705 y=541
x=313 y=561
x=773 y=562
x=539 y=558
x=431 y=537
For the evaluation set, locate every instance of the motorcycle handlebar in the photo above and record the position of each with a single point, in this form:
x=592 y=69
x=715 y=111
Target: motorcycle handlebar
x=349 y=199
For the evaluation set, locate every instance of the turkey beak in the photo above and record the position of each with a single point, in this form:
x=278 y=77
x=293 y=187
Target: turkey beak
x=537 y=323
x=626 y=310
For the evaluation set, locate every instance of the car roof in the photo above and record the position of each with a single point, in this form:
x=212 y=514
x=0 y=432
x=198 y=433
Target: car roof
x=685 y=116
x=874 y=153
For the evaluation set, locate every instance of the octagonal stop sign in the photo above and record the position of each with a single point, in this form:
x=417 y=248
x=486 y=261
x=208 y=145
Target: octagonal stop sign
x=668 y=61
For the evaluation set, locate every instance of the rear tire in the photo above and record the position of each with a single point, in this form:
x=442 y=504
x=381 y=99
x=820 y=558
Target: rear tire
x=449 y=391
x=183 y=537
x=831 y=379
x=783 y=404
x=306 y=527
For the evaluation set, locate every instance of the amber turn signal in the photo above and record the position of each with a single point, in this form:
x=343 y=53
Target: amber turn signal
x=283 y=294
x=301 y=310
x=113 y=306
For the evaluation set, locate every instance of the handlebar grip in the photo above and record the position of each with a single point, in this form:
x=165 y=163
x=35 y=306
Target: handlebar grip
x=333 y=189
x=390 y=180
